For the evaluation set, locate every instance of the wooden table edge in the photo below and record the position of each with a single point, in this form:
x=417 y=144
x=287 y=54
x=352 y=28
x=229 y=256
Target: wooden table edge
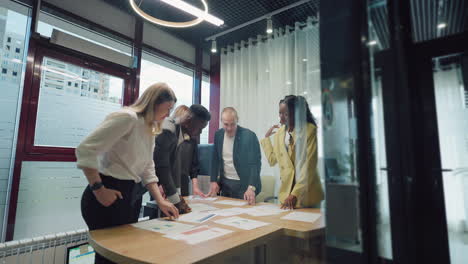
x=119 y=258
x=111 y=255
x=304 y=234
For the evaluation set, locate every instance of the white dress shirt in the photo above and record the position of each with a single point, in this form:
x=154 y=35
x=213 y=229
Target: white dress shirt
x=122 y=147
x=287 y=136
x=229 y=169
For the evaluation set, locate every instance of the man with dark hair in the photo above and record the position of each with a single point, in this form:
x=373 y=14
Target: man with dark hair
x=176 y=153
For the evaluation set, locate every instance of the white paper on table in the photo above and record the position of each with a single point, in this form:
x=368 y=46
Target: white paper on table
x=229 y=202
x=199 y=198
x=230 y=211
x=302 y=216
x=196 y=217
x=242 y=223
x=263 y=210
x=199 y=234
x=200 y=207
x=163 y=226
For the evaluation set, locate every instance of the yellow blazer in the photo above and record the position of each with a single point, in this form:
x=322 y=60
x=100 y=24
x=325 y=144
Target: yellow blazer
x=308 y=188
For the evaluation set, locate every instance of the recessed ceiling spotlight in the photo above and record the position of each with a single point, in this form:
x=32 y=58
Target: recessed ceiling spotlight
x=213 y=46
x=269 y=26
x=442 y=25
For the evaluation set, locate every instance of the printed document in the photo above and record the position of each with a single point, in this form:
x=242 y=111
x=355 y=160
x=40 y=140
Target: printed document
x=302 y=216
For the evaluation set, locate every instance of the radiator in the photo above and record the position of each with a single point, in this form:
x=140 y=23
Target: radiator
x=50 y=249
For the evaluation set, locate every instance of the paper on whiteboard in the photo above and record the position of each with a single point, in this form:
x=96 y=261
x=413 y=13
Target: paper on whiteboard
x=242 y=223
x=163 y=226
x=199 y=234
x=229 y=202
x=302 y=216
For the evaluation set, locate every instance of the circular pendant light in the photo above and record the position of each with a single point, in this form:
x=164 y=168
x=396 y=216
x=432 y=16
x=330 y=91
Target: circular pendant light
x=166 y=23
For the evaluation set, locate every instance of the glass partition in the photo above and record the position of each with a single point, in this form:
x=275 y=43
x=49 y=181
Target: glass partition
x=72 y=102
x=14 y=22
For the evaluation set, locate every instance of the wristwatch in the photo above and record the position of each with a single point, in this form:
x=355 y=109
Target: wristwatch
x=96 y=186
x=252 y=187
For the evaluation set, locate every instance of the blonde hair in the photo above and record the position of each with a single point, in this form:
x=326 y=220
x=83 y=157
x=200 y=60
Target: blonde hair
x=154 y=95
x=180 y=111
x=230 y=110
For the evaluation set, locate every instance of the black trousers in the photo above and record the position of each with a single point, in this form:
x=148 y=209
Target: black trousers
x=121 y=212
x=231 y=188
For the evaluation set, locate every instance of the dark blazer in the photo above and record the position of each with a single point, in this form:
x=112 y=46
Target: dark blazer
x=246 y=155
x=174 y=164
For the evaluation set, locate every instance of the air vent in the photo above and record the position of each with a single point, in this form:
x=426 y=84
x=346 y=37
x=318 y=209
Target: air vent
x=84 y=46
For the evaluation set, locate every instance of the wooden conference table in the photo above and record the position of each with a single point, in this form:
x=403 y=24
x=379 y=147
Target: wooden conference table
x=282 y=241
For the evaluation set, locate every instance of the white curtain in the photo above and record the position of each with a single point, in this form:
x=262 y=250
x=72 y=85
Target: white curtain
x=256 y=77
x=452 y=118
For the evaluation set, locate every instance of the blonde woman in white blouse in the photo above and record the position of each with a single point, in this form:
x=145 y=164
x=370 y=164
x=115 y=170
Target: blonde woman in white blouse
x=117 y=159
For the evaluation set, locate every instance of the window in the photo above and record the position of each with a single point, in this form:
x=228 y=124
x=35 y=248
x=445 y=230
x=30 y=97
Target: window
x=42 y=205
x=180 y=79
x=69 y=83
x=13 y=26
x=205 y=101
x=17 y=50
x=64 y=118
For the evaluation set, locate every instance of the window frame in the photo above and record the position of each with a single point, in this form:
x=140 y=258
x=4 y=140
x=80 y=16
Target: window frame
x=173 y=65
x=46 y=49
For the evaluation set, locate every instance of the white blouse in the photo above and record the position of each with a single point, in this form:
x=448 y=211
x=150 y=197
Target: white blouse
x=228 y=158
x=287 y=137
x=120 y=147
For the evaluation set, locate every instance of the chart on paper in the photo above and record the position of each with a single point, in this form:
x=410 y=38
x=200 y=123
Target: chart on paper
x=163 y=226
x=200 y=207
x=199 y=198
x=264 y=210
x=241 y=223
x=302 y=216
x=233 y=203
x=196 y=217
x=199 y=234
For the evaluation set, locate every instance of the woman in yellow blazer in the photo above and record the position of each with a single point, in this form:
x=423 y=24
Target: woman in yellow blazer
x=295 y=149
